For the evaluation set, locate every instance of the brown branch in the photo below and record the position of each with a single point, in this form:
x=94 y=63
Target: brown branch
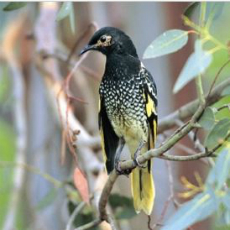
x=188 y=110
x=105 y=195
x=225 y=106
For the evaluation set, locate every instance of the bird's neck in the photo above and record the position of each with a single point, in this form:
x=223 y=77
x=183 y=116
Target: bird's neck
x=118 y=66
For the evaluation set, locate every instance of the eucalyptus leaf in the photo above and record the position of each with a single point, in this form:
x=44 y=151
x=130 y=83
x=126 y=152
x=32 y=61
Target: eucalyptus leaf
x=218 y=133
x=190 y=9
x=227 y=217
x=226 y=91
x=207 y=120
x=214 y=10
x=64 y=10
x=67 y=10
x=125 y=213
x=196 y=64
x=169 y=42
x=14 y=6
x=117 y=200
x=123 y=206
x=226 y=201
x=197 y=209
x=220 y=172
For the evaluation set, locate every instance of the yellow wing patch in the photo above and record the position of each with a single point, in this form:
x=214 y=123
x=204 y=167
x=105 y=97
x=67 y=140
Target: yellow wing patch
x=150 y=107
x=150 y=110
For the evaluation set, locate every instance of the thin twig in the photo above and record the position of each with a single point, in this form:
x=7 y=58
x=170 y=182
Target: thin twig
x=186 y=111
x=32 y=169
x=225 y=106
x=217 y=75
x=92 y=224
x=149 y=223
x=76 y=211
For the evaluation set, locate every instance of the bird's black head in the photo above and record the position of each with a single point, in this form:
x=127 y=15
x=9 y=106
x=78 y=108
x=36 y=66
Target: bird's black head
x=109 y=40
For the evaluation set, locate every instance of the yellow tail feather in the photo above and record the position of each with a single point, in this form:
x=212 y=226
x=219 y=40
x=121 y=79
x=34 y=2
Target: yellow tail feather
x=143 y=190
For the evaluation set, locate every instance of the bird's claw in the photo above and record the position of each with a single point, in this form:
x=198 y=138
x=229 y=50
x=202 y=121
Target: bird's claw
x=138 y=164
x=120 y=171
x=136 y=154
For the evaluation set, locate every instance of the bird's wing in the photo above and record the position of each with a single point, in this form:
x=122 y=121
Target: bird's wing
x=150 y=97
x=109 y=139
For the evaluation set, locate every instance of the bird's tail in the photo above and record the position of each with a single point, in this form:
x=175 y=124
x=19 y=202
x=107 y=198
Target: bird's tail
x=143 y=189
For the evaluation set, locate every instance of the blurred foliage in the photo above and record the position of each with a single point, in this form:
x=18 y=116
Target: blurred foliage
x=67 y=10
x=123 y=206
x=14 y=6
x=7 y=153
x=47 y=199
x=7 y=144
x=84 y=216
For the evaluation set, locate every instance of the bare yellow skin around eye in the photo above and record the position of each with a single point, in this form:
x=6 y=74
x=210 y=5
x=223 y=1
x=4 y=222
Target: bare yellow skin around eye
x=106 y=43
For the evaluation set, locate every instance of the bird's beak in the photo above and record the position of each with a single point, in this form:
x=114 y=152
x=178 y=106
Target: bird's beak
x=87 y=48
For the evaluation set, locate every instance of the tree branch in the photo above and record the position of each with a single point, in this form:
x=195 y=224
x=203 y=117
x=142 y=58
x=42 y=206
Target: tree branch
x=92 y=224
x=74 y=214
x=105 y=195
x=186 y=111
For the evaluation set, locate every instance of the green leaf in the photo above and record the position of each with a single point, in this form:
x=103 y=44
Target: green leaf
x=125 y=213
x=218 y=133
x=4 y=84
x=226 y=201
x=47 y=199
x=117 y=200
x=220 y=172
x=190 y=9
x=67 y=10
x=14 y=6
x=214 y=10
x=197 y=209
x=123 y=206
x=226 y=91
x=7 y=154
x=222 y=218
x=227 y=217
x=169 y=42
x=207 y=120
x=196 y=64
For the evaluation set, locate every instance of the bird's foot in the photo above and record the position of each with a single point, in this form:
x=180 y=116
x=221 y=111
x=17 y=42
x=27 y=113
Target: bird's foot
x=139 y=164
x=137 y=153
x=120 y=171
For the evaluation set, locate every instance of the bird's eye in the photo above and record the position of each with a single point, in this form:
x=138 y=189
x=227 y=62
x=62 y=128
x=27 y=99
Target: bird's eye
x=103 y=38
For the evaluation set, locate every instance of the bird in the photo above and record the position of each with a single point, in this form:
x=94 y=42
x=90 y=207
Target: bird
x=127 y=110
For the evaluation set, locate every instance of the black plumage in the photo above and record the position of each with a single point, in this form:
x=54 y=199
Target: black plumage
x=128 y=114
